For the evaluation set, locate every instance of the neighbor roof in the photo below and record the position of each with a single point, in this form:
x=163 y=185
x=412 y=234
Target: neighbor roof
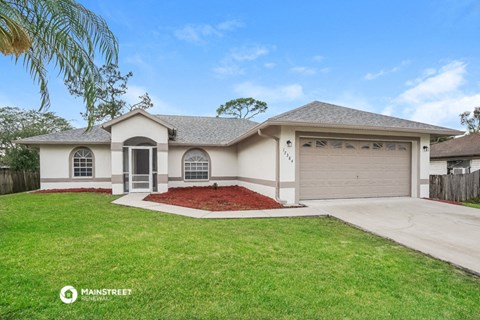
x=466 y=146
x=326 y=114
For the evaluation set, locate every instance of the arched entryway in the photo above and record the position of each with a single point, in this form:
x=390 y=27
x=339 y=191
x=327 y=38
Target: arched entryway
x=139 y=165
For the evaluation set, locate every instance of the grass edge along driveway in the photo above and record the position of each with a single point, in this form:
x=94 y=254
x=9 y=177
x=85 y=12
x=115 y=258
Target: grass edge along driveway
x=182 y=268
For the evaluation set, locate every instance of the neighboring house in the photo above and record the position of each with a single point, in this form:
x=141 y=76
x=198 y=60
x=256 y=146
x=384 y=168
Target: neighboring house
x=318 y=151
x=459 y=155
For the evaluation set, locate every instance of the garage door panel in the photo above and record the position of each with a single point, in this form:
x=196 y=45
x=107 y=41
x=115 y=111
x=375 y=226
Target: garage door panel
x=329 y=171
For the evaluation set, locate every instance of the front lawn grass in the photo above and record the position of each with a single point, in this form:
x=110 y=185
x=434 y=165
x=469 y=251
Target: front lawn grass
x=183 y=268
x=472 y=204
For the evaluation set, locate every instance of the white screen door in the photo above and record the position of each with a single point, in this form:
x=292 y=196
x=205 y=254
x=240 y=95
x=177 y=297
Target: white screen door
x=140 y=169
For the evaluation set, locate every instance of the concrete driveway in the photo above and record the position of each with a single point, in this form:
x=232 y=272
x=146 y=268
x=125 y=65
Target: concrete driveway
x=444 y=231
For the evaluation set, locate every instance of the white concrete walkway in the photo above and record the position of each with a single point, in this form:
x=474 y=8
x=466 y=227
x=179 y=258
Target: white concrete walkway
x=136 y=200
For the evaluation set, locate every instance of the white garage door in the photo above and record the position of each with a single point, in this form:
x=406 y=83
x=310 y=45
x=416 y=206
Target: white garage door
x=331 y=168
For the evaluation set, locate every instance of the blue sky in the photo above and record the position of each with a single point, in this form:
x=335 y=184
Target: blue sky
x=413 y=59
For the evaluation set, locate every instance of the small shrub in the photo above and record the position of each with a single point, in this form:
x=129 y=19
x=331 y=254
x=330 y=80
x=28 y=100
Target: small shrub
x=215 y=186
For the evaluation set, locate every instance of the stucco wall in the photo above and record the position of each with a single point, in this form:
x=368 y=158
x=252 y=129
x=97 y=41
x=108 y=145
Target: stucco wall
x=256 y=164
x=56 y=167
x=138 y=126
x=438 y=167
x=223 y=166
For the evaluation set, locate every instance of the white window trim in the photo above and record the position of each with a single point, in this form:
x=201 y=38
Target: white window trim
x=73 y=164
x=184 y=162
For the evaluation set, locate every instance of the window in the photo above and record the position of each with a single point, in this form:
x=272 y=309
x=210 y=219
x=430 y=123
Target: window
x=377 y=146
x=337 y=144
x=402 y=147
x=196 y=165
x=307 y=144
x=321 y=144
x=349 y=145
x=83 y=163
x=391 y=146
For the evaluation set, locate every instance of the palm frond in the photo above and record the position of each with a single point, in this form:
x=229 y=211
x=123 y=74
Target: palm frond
x=59 y=32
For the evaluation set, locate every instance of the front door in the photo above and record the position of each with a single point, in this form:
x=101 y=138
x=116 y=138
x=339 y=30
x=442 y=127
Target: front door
x=140 y=169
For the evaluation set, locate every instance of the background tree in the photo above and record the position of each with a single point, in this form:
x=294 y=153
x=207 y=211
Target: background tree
x=62 y=32
x=242 y=108
x=471 y=120
x=16 y=123
x=109 y=91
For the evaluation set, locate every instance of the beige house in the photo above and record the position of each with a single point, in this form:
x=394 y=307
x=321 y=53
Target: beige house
x=317 y=151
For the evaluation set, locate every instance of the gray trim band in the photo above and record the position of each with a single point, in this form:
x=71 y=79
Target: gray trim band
x=224 y=178
x=263 y=182
x=53 y=180
x=117 y=178
x=287 y=184
x=162 y=147
x=162 y=178
x=116 y=146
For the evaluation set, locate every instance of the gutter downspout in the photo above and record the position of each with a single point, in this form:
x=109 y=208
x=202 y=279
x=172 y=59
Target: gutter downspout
x=277 y=164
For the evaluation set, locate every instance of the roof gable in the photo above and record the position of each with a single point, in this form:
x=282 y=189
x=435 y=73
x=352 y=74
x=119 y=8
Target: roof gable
x=133 y=113
x=326 y=114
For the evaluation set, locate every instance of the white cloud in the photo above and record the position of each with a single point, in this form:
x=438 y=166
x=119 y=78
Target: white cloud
x=383 y=72
x=230 y=25
x=288 y=92
x=198 y=33
x=304 y=70
x=226 y=69
x=269 y=65
x=437 y=96
x=249 y=53
x=448 y=79
x=230 y=64
x=137 y=60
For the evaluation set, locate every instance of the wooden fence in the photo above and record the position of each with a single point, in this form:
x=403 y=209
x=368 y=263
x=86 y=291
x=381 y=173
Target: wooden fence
x=18 y=181
x=455 y=187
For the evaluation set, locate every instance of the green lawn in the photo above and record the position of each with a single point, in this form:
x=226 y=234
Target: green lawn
x=182 y=268
x=472 y=204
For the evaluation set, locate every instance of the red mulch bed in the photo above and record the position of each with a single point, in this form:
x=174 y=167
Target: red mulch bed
x=95 y=190
x=211 y=199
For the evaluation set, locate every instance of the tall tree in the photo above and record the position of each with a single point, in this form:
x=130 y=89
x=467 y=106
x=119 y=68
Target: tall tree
x=16 y=123
x=243 y=108
x=59 y=32
x=109 y=91
x=471 y=120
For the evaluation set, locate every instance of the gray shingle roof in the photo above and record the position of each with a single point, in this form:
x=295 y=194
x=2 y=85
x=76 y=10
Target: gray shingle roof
x=468 y=145
x=207 y=130
x=330 y=114
x=190 y=130
x=95 y=136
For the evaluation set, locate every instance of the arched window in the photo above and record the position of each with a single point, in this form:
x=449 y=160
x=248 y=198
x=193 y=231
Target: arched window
x=196 y=165
x=83 y=163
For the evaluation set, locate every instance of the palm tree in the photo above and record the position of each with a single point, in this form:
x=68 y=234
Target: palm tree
x=59 y=32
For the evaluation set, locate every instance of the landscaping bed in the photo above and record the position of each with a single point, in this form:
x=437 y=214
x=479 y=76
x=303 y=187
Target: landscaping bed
x=95 y=190
x=215 y=199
